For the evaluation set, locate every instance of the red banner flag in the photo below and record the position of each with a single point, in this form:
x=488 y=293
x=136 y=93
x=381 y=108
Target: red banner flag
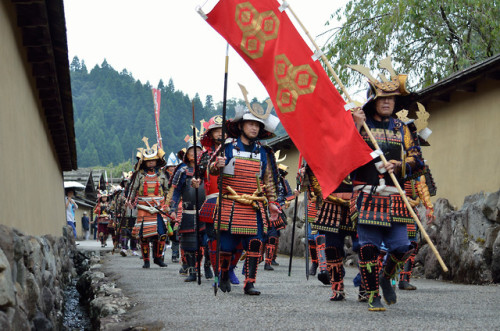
x=156 y=101
x=308 y=105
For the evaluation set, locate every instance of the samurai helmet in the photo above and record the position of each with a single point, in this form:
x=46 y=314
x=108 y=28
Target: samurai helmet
x=190 y=144
x=214 y=123
x=253 y=112
x=383 y=87
x=151 y=153
x=172 y=160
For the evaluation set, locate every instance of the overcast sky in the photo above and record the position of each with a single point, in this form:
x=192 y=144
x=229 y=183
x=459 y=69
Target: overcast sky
x=163 y=39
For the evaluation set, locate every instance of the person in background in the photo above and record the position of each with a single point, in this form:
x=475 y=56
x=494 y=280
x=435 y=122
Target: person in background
x=85 y=225
x=94 y=227
x=71 y=206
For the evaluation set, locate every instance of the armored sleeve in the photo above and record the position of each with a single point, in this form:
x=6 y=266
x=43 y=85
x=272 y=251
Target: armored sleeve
x=414 y=160
x=269 y=179
x=136 y=184
x=175 y=191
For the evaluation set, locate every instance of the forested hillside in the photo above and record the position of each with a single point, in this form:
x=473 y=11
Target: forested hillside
x=113 y=111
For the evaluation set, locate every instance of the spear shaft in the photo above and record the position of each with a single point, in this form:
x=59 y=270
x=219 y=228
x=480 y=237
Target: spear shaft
x=197 y=218
x=219 y=209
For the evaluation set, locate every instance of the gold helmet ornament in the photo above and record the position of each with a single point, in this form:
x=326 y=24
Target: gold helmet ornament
x=253 y=112
x=395 y=85
x=126 y=175
x=151 y=153
x=282 y=167
x=418 y=126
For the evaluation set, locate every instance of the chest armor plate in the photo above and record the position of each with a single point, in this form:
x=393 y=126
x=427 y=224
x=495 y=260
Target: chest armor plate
x=390 y=142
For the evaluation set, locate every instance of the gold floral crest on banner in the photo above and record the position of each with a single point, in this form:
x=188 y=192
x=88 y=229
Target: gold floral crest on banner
x=293 y=81
x=257 y=28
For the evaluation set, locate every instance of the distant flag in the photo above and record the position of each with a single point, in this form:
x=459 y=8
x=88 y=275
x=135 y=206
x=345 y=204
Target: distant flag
x=308 y=105
x=156 y=101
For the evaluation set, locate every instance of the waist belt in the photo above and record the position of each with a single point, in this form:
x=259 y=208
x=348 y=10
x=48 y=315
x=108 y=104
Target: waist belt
x=379 y=190
x=213 y=195
x=149 y=198
x=189 y=211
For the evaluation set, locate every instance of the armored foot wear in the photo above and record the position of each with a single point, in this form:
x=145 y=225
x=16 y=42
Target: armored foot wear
x=191 y=261
x=225 y=272
x=375 y=304
x=251 y=290
x=387 y=290
x=159 y=262
x=208 y=271
x=362 y=296
x=183 y=270
x=191 y=275
x=232 y=276
x=313 y=269
x=338 y=296
x=404 y=285
x=225 y=285
x=268 y=267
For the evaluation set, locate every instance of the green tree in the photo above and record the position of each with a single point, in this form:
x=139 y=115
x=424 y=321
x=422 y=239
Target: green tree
x=427 y=39
x=75 y=64
x=209 y=105
x=113 y=111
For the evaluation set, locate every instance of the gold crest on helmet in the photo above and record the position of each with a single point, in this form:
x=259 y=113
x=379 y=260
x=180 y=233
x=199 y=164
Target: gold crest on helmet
x=395 y=85
x=151 y=153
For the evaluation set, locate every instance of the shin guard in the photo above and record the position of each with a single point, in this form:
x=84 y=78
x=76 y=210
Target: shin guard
x=252 y=260
x=393 y=261
x=320 y=249
x=158 y=253
x=270 y=249
x=405 y=274
x=369 y=270
x=276 y=248
x=335 y=267
x=145 y=250
x=225 y=262
x=212 y=245
x=313 y=253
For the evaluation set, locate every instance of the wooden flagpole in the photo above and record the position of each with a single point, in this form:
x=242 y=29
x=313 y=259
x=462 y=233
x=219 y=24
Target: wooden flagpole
x=375 y=144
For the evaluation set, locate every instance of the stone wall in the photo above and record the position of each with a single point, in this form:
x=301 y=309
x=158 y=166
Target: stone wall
x=33 y=274
x=468 y=240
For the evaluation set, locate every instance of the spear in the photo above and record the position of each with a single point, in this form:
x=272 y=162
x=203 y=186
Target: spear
x=197 y=224
x=217 y=234
x=306 y=231
x=294 y=218
x=375 y=144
